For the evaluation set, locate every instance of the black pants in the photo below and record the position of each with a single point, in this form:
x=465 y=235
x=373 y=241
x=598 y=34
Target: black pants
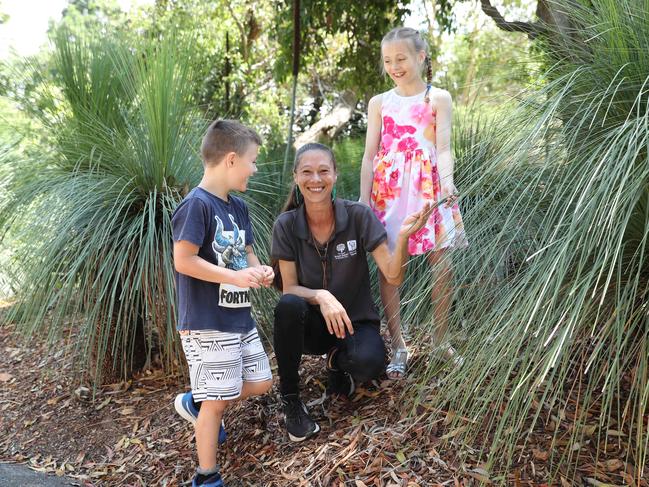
x=301 y=329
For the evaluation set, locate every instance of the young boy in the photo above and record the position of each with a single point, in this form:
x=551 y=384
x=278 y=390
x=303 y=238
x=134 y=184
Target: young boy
x=215 y=269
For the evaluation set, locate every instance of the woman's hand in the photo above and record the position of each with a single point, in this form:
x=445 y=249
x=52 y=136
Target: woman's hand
x=334 y=314
x=415 y=221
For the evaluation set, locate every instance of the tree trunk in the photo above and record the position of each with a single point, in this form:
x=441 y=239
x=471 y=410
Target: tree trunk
x=552 y=19
x=113 y=364
x=296 y=70
x=326 y=129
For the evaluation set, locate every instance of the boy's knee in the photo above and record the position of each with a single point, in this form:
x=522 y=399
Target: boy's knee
x=213 y=406
x=289 y=308
x=262 y=387
x=256 y=388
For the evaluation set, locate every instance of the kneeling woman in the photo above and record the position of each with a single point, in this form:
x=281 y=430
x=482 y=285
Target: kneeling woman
x=320 y=243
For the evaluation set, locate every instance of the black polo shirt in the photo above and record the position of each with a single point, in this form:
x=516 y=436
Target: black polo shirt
x=357 y=231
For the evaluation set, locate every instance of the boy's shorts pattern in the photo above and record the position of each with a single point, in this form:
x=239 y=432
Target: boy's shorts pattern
x=219 y=362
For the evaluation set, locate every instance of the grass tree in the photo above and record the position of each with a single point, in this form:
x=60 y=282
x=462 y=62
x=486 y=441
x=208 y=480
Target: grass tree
x=553 y=290
x=92 y=213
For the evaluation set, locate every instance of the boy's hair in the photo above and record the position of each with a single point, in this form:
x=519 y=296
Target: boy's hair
x=417 y=43
x=225 y=136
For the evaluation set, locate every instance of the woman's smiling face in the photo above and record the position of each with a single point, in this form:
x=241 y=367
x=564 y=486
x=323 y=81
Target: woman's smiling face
x=315 y=176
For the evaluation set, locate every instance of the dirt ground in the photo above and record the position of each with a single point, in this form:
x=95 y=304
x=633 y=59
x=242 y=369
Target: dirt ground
x=129 y=434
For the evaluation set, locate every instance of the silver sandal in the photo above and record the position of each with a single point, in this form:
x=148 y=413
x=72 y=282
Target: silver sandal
x=398 y=364
x=446 y=353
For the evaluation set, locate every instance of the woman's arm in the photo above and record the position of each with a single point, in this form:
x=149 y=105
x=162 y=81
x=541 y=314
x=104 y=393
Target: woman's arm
x=372 y=141
x=393 y=265
x=333 y=312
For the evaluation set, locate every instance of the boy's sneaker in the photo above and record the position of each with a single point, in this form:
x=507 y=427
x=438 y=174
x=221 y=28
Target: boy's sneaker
x=212 y=480
x=299 y=424
x=188 y=409
x=339 y=382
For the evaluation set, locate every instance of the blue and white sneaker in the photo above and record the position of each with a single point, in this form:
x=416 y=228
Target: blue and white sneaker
x=212 y=480
x=188 y=409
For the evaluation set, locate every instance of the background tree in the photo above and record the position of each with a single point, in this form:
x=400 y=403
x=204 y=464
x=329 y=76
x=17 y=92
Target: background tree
x=340 y=52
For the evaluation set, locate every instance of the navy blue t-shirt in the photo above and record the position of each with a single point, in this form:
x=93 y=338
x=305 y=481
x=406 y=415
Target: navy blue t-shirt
x=222 y=230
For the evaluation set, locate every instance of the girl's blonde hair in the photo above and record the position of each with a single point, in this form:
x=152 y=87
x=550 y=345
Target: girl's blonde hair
x=417 y=43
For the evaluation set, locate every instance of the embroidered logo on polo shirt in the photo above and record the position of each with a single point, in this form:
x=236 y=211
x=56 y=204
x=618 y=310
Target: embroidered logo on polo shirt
x=344 y=252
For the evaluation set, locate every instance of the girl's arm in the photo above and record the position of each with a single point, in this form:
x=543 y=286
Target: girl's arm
x=443 y=102
x=333 y=312
x=372 y=140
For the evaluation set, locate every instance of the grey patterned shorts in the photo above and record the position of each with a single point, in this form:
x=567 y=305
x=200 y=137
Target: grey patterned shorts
x=219 y=362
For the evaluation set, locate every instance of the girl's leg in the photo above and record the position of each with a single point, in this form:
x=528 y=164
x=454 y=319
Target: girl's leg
x=442 y=295
x=391 y=308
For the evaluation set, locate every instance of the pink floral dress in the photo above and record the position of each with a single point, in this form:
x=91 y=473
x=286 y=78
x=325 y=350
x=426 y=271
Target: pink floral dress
x=405 y=175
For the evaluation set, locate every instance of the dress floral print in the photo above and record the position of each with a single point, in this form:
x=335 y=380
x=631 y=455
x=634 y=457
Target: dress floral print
x=405 y=175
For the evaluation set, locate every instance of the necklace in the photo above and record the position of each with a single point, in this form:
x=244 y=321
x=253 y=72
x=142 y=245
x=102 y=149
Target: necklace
x=323 y=262
x=323 y=255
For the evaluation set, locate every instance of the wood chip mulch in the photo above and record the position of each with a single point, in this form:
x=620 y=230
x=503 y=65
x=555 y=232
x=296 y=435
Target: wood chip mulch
x=130 y=435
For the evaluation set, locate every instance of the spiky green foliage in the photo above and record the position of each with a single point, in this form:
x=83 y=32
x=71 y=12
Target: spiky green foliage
x=553 y=289
x=94 y=211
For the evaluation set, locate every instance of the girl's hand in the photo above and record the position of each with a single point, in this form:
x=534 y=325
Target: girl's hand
x=449 y=192
x=334 y=314
x=416 y=221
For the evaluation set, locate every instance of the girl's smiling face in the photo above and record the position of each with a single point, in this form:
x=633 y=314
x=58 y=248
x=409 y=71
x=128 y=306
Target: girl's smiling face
x=402 y=63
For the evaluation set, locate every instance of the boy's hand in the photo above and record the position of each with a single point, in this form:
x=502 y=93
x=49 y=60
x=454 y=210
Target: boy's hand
x=269 y=275
x=249 y=277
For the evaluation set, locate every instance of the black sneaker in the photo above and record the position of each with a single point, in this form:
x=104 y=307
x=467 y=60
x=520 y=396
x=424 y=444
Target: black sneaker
x=339 y=382
x=299 y=424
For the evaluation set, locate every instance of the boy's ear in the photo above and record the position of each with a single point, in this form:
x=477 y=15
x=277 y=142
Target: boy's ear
x=229 y=159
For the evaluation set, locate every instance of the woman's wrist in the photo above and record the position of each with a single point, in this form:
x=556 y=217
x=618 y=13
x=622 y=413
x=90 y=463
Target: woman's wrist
x=320 y=295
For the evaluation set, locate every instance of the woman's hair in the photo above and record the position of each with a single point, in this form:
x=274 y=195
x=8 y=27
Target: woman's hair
x=416 y=42
x=292 y=201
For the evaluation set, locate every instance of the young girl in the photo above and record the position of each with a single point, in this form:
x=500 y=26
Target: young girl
x=408 y=162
